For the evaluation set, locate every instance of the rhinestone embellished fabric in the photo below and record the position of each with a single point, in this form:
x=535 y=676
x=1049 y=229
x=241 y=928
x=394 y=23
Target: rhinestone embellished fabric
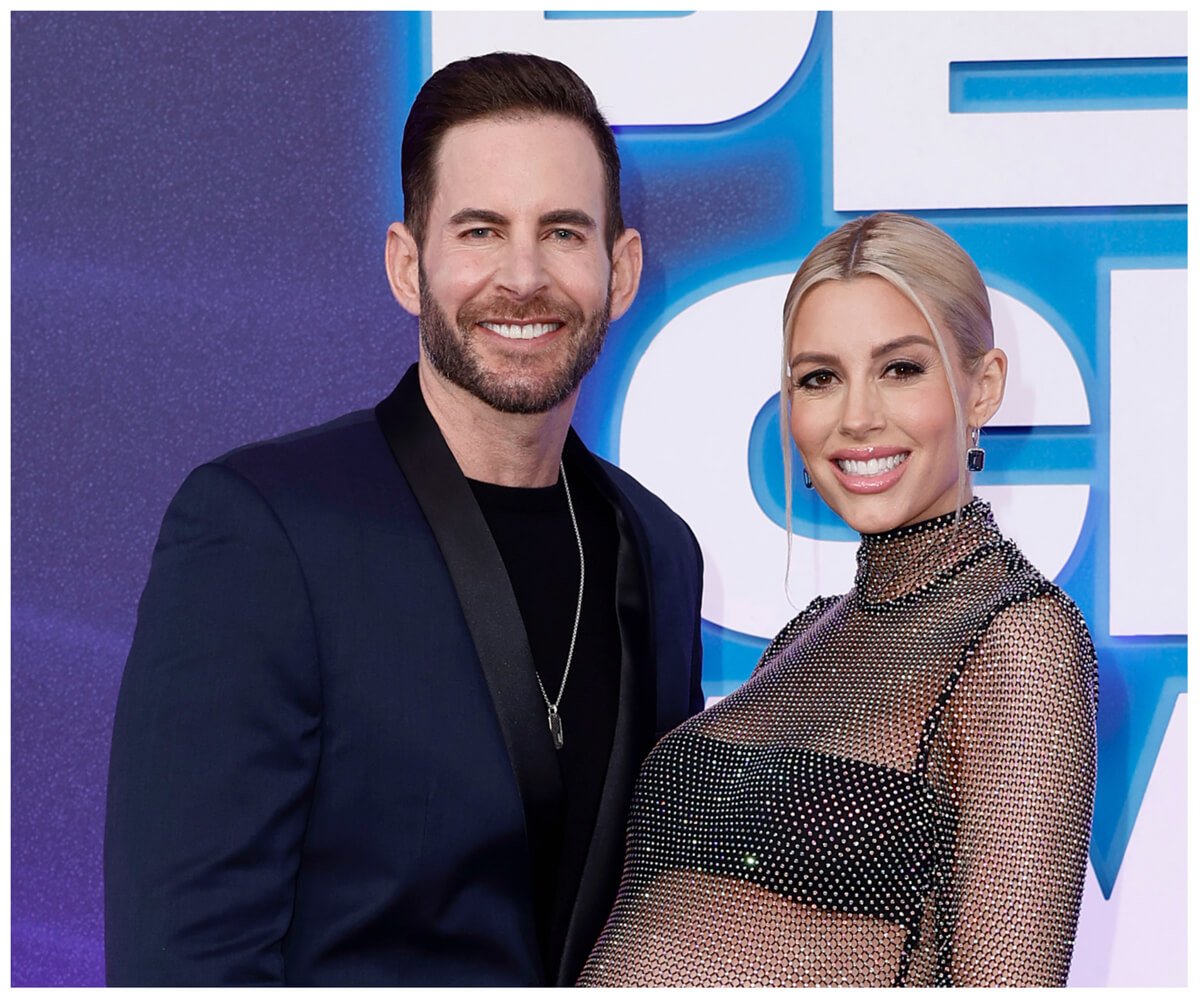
x=901 y=794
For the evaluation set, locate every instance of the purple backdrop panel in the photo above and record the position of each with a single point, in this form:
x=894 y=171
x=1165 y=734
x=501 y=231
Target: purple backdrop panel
x=199 y=210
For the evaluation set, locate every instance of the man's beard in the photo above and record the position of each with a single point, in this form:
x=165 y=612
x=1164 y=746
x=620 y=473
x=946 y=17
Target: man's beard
x=452 y=351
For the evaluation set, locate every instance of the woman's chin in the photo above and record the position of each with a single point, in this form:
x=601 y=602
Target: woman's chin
x=889 y=509
x=870 y=515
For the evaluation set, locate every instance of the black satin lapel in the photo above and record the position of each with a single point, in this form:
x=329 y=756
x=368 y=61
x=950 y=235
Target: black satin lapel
x=634 y=732
x=483 y=589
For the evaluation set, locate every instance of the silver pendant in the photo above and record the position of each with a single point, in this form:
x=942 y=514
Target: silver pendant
x=555 y=727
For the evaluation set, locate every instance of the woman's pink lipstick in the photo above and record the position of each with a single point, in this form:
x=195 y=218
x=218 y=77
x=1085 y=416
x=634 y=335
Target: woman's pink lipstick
x=863 y=482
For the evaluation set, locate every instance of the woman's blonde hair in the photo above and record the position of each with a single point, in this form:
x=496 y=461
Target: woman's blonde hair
x=929 y=269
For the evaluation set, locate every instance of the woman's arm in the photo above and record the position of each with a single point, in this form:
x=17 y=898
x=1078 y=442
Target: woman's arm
x=1022 y=766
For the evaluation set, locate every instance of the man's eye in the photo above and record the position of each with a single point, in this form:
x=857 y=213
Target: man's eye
x=565 y=235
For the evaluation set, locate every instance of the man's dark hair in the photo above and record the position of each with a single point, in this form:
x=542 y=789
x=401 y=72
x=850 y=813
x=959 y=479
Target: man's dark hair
x=499 y=85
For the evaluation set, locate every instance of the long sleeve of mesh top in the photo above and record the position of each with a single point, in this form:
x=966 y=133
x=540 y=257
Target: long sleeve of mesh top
x=901 y=793
x=1018 y=761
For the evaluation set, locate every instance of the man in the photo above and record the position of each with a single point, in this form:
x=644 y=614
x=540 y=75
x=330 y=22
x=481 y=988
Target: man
x=393 y=676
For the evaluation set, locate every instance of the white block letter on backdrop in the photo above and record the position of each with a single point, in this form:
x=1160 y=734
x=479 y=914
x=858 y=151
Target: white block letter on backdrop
x=1044 y=387
x=1148 y=454
x=1044 y=384
x=707 y=67
x=897 y=145
x=686 y=437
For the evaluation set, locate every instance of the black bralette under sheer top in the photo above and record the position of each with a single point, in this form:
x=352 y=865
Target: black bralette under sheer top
x=901 y=794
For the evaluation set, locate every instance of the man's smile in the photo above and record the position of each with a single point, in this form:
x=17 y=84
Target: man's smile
x=520 y=331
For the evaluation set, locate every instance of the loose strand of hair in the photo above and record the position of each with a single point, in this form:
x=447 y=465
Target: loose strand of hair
x=785 y=443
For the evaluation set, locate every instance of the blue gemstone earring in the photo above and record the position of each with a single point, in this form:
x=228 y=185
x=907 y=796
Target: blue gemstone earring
x=974 y=453
x=807 y=479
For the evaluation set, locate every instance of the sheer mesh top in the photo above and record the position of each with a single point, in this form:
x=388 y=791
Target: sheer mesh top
x=901 y=793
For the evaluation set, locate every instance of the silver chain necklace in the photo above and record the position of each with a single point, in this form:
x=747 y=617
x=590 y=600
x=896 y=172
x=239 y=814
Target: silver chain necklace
x=552 y=716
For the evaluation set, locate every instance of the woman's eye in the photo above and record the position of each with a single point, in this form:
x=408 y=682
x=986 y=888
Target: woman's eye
x=820 y=379
x=905 y=369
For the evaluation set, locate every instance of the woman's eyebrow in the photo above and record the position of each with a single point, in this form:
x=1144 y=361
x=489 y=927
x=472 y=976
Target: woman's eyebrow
x=814 y=358
x=893 y=345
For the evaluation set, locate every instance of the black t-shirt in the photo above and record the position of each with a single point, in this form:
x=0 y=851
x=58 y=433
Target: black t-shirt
x=532 y=529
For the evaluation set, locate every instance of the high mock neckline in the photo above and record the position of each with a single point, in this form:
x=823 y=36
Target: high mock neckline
x=893 y=564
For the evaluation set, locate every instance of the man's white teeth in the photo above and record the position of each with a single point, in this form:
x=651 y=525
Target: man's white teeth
x=521 y=331
x=872 y=466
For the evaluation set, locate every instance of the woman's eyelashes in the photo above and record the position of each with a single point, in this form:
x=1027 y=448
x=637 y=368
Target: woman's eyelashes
x=903 y=369
x=821 y=378
x=898 y=369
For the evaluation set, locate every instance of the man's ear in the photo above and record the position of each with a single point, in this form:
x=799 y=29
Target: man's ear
x=626 y=271
x=987 y=391
x=402 y=269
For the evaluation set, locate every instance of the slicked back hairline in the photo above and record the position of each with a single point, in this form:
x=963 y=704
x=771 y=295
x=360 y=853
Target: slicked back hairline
x=503 y=86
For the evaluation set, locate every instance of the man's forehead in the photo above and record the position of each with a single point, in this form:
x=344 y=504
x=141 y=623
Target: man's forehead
x=518 y=155
x=511 y=120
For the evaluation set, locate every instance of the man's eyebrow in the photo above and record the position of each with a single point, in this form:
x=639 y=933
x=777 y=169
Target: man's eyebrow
x=568 y=217
x=466 y=215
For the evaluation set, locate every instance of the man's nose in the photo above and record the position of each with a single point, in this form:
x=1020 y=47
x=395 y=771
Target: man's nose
x=521 y=271
x=862 y=409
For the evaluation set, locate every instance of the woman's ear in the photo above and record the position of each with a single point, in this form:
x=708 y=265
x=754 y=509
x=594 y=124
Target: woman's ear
x=987 y=387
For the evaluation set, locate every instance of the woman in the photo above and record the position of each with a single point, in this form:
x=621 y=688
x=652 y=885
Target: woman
x=901 y=794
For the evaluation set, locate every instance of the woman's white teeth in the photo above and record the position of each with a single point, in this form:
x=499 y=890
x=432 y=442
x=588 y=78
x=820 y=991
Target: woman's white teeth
x=872 y=466
x=521 y=331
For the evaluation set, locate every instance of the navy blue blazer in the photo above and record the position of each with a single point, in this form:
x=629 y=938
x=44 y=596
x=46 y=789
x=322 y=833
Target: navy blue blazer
x=329 y=728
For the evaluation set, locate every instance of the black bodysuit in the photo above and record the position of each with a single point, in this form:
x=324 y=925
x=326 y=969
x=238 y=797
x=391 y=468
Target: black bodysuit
x=901 y=794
